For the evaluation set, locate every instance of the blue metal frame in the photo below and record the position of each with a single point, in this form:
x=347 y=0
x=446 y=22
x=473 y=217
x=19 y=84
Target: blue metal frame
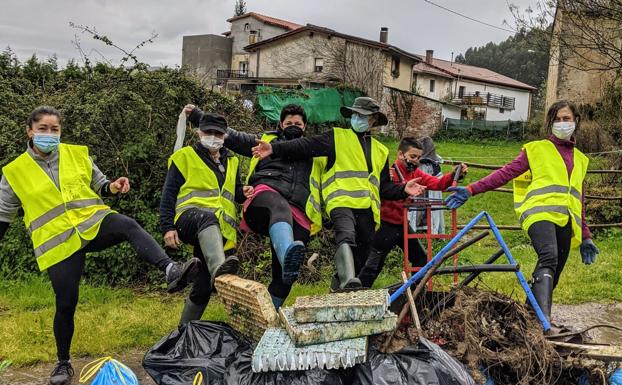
x=519 y=275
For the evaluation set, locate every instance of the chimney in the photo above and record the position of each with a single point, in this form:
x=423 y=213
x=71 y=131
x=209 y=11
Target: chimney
x=429 y=54
x=384 y=35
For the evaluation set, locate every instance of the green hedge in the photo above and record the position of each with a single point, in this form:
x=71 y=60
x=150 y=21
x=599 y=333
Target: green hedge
x=127 y=117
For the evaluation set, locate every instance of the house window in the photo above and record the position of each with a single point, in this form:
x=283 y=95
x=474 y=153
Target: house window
x=501 y=110
x=432 y=85
x=319 y=64
x=461 y=91
x=395 y=66
x=247 y=27
x=243 y=66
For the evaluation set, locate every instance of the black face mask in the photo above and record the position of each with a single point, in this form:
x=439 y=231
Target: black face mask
x=410 y=166
x=292 y=132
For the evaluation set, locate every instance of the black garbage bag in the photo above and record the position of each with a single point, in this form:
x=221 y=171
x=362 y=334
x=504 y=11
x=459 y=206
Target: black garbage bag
x=240 y=373
x=423 y=364
x=203 y=346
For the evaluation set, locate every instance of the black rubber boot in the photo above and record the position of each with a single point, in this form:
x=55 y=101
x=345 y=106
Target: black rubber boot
x=191 y=312
x=344 y=262
x=62 y=373
x=180 y=274
x=542 y=288
x=231 y=265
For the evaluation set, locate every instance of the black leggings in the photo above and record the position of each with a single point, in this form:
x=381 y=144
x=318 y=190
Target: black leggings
x=388 y=236
x=189 y=224
x=65 y=275
x=266 y=209
x=552 y=244
x=356 y=227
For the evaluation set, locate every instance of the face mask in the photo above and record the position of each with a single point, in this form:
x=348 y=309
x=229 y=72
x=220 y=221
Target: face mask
x=46 y=142
x=292 y=132
x=212 y=143
x=359 y=123
x=410 y=166
x=563 y=130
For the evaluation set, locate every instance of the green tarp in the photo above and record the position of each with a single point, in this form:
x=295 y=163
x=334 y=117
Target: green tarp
x=321 y=105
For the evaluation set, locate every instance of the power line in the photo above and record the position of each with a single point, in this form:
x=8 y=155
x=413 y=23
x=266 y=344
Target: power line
x=469 y=17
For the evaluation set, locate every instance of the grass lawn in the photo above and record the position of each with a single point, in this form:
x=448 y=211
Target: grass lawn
x=112 y=320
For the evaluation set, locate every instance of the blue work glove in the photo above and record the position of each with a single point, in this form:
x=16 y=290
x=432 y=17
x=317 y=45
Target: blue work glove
x=588 y=251
x=459 y=196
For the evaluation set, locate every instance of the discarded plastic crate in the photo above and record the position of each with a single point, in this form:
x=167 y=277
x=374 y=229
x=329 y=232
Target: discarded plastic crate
x=276 y=352
x=362 y=305
x=320 y=332
x=248 y=305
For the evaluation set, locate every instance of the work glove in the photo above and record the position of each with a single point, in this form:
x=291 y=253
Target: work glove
x=459 y=196
x=588 y=251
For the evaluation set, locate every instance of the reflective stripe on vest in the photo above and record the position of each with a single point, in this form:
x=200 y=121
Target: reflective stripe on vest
x=200 y=191
x=57 y=220
x=546 y=193
x=313 y=207
x=349 y=183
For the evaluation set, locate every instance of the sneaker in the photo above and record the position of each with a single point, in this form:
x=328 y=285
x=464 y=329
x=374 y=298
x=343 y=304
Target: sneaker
x=62 y=373
x=231 y=265
x=181 y=274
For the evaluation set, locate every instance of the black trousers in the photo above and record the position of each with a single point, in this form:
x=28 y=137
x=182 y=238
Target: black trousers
x=356 y=227
x=552 y=244
x=189 y=224
x=65 y=275
x=388 y=236
x=266 y=209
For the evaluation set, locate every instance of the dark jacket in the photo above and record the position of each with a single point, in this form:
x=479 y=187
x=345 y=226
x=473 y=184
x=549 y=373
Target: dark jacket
x=288 y=178
x=324 y=145
x=174 y=181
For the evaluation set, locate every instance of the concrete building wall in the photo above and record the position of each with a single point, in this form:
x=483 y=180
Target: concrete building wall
x=442 y=86
x=204 y=54
x=566 y=77
x=240 y=35
x=522 y=99
x=405 y=79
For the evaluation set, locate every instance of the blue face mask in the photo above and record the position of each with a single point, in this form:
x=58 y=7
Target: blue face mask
x=46 y=142
x=359 y=123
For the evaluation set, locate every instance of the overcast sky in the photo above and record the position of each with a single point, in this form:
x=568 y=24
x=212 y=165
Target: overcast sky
x=42 y=26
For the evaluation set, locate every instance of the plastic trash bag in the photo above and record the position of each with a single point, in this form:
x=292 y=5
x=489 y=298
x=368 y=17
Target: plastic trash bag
x=180 y=131
x=423 y=364
x=108 y=371
x=616 y=377
x=201 y=346
x=240 y=373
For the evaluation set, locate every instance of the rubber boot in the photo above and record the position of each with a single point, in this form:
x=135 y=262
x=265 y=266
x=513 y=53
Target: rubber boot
x=372 y=268
x=542 y=288
x=290 y=253
x=344 y=262
x=191 y=312
x=210 y=240
x=278 y=302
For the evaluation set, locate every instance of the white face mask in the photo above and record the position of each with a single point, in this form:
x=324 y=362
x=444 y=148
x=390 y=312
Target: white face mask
x=563 y=130
x=212 y=143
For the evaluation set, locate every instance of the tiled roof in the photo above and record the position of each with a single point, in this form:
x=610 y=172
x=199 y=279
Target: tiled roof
x=469 y=72
x=426 y=68
x=268 y=20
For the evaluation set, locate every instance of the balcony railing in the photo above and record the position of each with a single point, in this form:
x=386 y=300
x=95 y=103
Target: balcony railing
x=233 y=74
x=484 y=99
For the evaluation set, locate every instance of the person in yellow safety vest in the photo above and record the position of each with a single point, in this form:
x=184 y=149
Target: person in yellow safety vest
x=285 y=204
x=60 y=188
x=548 y=198
x=198 y=208
x=354 y=180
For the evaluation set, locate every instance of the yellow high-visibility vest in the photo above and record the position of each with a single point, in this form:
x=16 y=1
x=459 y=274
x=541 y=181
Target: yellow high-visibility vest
x=349 y=183
x=545 y=193
x=200 y=190
x=313 y=208
x=57 y=220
